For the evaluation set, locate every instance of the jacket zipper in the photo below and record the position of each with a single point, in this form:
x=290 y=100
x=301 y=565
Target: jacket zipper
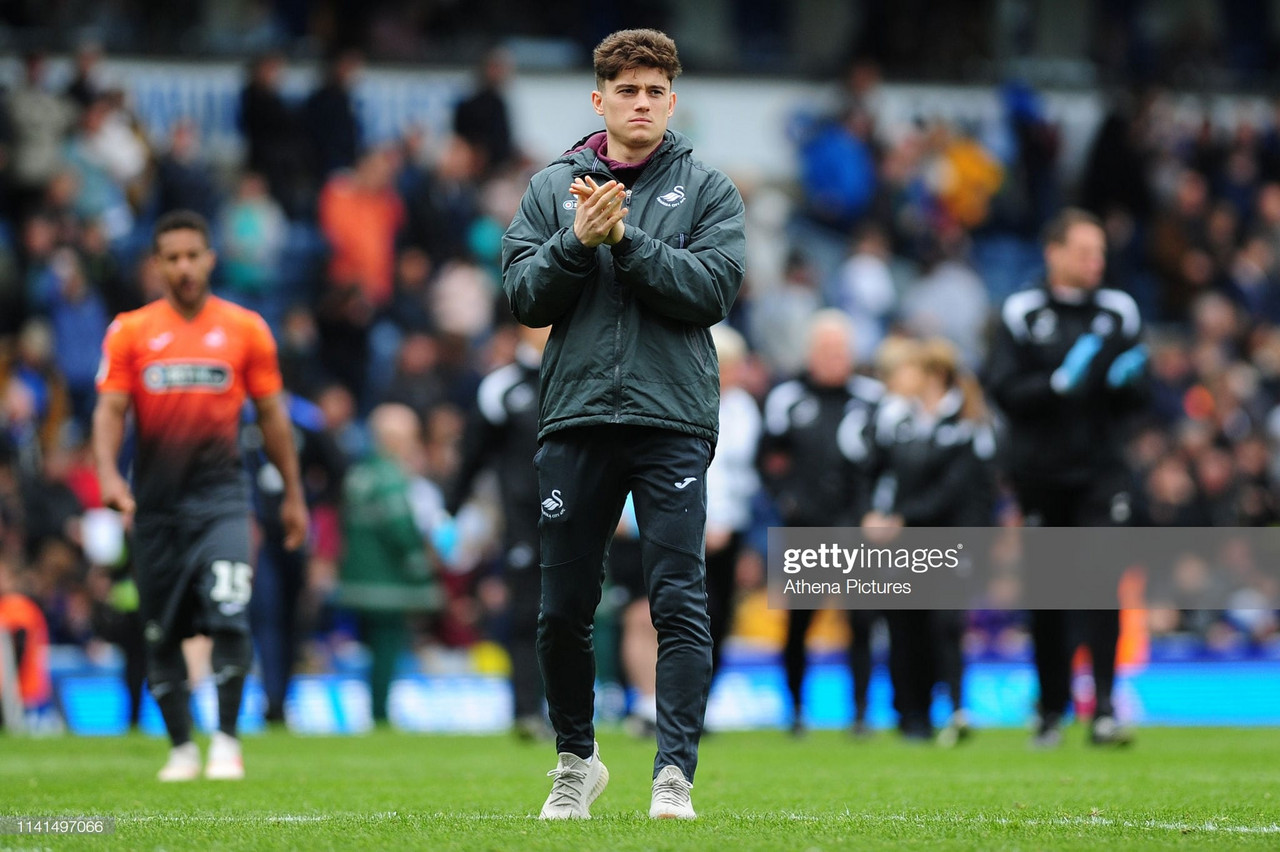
x=617 y=360
x=617 y=327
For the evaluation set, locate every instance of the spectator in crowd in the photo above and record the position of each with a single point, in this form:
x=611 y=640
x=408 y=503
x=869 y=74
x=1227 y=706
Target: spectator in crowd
x=782 y=315
x=1250 y=279
x=340 y=421
x=1117 y=175
x=299 y=353
x=499 y=201
x=838 y=181
x=481 y=119
x=87 y=84
x=329 y=116
x=442 y=201
x=410 y=310
x=276 y=146
x=106 y=158
x=40 y=120
x=866 y=290
x=948 y=299
x=79 y=318
x=343 y=320
x=386 y=573
x=417 y=381
x=184 y=178
x=105 y=270
x=1030 y=193
x=51 y=508
x=361 y=215
x=36 y=400
x=26 y=636
x=1179 y=247
x=462 y=300
x=253 y=230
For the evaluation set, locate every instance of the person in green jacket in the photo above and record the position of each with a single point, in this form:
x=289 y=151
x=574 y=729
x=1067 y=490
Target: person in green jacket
x=630 y=249
x=386 y=570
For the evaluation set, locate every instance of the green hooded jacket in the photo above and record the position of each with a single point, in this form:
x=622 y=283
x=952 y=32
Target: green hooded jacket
x=384 y=562
x=629 y=340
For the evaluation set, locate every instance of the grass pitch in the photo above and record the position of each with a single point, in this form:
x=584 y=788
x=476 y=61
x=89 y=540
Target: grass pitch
x=1176 y=788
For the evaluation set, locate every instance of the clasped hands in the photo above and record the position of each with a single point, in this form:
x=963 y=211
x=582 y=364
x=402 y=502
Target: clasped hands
x=600 y=211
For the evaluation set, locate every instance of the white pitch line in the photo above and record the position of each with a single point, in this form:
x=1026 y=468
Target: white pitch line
x=1063 y=822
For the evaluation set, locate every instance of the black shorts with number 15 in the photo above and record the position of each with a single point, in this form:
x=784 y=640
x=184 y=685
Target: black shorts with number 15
x=193 y=573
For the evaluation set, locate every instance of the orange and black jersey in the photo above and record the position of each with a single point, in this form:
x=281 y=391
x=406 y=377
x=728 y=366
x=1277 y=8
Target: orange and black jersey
x=187 y=381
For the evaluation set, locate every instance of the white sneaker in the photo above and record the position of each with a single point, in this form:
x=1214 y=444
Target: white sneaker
x=183 y=763
x=671 y=796
x=577 y=785
x=225 y=762
x=1107 y=731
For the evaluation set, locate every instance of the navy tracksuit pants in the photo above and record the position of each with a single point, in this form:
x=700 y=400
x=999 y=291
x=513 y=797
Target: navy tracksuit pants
x=584 y=476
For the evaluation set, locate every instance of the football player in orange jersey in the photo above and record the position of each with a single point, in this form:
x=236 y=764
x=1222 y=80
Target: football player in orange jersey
x=184 y=365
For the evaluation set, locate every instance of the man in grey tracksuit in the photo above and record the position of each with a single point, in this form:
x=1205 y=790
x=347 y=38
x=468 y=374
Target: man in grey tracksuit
x=630 y=249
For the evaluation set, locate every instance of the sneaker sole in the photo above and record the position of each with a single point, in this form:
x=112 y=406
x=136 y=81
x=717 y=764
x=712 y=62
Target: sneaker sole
x=601 y=783
x=229 y=774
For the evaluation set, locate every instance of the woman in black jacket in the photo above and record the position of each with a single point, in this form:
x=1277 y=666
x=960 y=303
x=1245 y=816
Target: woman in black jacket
x=933 y=449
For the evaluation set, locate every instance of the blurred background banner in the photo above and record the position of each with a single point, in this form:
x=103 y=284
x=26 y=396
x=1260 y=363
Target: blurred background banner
x=1203 y=690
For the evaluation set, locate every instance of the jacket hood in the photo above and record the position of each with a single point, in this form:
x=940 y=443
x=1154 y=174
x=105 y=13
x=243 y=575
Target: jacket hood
x=586 y=150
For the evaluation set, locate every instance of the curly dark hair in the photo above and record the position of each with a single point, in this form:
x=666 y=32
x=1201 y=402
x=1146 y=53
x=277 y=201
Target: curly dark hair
x=179 y=220
x=627 y=49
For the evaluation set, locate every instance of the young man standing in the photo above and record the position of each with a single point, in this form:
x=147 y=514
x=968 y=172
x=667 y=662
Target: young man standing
x=184 y=364
x=1068 y=369
x=630 y=249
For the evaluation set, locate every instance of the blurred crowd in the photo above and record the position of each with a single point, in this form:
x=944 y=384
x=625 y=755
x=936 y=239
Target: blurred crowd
x=378 y=269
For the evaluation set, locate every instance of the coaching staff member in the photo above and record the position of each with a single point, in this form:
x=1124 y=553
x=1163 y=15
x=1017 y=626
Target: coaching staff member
x=1067 y=368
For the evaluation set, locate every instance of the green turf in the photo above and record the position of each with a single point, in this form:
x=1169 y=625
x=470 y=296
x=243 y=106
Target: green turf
x=1183 y=788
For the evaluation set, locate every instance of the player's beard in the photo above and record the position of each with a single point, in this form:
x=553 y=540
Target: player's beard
x=189 y=293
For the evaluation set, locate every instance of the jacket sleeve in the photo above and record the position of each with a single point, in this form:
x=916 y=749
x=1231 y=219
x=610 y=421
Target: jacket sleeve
x=1014 y=387
x=695 y=283
x=544 y=267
